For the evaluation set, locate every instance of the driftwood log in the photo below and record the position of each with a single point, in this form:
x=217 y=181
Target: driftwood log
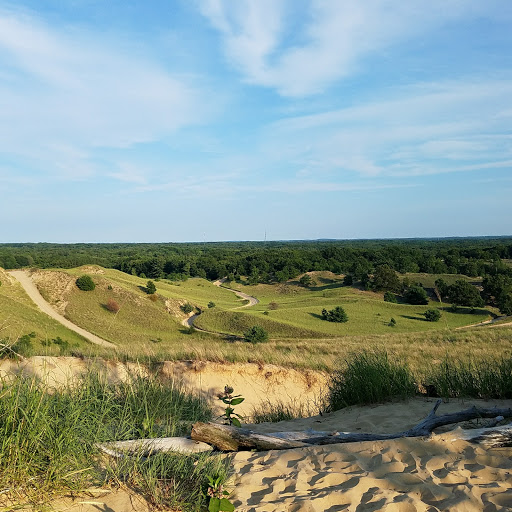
x=228 y=438
x=146 y=447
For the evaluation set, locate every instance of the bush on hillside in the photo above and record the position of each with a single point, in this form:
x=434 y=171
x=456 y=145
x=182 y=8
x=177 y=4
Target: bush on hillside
x=416 y=295
x=348 y=280
x=113 y=306
x=256 y=334
x=432 y=315
x=390 y=297
x=85 y=283
x=150 y=288
x=187 y=308
x=337 y=314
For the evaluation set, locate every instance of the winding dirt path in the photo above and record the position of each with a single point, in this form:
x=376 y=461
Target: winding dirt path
x=189 y=321
x=30 y=288
x=252 y=300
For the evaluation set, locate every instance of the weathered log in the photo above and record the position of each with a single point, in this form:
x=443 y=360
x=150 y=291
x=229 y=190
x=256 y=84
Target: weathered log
x=145 y=447
x=228 y=438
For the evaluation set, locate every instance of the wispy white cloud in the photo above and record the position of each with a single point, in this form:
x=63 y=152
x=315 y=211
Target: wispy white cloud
x=333 y=38
x=67 y=91
x=432 y=128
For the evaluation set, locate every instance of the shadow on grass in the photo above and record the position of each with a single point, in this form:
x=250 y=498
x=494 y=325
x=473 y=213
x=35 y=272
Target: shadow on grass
x=466 y=310
x=317 y=316
x=410 y=317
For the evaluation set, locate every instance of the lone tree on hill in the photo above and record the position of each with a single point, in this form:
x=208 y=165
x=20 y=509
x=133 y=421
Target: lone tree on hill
x=306 y=280
x=150 y=288
x=85 y=283
x=385 y=278
x=337 y=314
x=416 y=295
x=432 y=315
x=462 y=293
x=256 y=334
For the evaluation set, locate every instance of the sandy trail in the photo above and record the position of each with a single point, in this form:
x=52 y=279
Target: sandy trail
x=252 y=300
x=30 y=288
x=189 y=321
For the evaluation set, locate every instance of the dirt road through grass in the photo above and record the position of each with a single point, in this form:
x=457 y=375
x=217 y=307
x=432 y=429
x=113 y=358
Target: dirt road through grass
x=252 y=300
x=30 y=288
x=189 y=321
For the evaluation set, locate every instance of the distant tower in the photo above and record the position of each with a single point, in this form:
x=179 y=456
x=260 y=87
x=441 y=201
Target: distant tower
x=265 y=240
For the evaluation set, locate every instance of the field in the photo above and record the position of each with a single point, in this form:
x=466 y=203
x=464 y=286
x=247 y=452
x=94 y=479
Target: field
x=298 y=309
x=147 y=328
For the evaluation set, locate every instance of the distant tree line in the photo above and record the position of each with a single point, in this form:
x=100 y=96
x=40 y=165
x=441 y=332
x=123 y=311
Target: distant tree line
x=373 y=263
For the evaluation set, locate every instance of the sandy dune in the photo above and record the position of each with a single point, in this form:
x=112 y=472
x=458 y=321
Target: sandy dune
x=29 y=286
x=405 y=475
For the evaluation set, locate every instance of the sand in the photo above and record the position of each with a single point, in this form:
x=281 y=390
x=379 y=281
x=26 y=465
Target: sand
x=404 y=475
x=435 y=474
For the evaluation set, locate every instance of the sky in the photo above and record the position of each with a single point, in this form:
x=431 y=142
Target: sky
x=211 y=120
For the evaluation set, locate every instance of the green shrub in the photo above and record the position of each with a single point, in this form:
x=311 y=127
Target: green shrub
x=432 y=315
x=337 y=314
x=348 y=280
x=390 y=297
x=416 y=295
x=211 y=304
x=256 y=334
x=150 y=288
x=187 y=308
x=392 y=322
x=367 y=378
x=85 y=283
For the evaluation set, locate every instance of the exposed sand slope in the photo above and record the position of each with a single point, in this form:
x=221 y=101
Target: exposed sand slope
x=403 y=475
x=256 y=383
x=38 y=299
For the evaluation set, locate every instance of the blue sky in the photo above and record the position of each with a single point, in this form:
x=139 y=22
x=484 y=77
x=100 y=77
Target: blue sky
x=192 y=120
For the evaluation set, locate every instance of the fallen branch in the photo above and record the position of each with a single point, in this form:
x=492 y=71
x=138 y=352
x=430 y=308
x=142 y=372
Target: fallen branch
x=145 y=447
x=228 y=438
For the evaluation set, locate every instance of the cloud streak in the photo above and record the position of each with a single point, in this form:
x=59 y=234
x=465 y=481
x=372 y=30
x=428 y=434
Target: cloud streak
x=66 y=92
x=331 y=40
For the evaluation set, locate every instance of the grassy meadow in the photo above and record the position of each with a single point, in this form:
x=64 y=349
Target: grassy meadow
x=149 y=327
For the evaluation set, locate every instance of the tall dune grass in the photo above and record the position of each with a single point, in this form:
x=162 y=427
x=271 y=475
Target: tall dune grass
x=48 y=437
x=372 y=376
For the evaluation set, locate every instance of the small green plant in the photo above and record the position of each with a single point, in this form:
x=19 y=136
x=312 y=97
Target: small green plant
x=218 y=496
x=85 y=283
x=227 y=397
x=432 y=315
x=256 y=334
x=187 y=308
x=211 y=304
x=150 y=288
x=337 y=314
x=392 y=322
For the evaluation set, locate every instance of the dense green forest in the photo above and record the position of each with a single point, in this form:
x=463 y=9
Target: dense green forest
x=271 y=262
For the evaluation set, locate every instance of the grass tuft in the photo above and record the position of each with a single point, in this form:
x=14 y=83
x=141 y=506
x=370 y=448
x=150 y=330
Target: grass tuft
x=369 y=377
x=487 y=378
x=48 y=437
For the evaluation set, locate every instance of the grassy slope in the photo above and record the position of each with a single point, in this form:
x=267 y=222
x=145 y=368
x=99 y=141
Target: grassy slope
x=301 y=309
x=19 y=316
x=141 y=321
